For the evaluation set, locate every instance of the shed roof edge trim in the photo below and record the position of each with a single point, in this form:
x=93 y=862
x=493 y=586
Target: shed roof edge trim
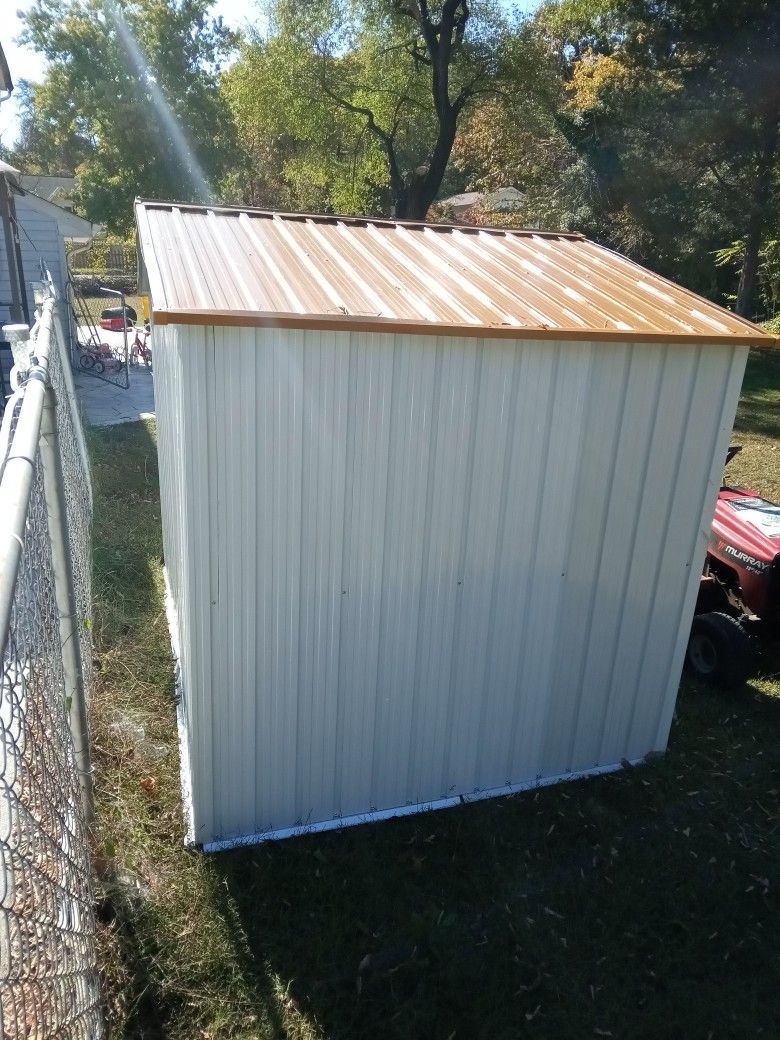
x=361 y=323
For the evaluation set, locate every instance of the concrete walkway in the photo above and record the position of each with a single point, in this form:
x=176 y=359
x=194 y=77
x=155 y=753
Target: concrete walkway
x=106 y=405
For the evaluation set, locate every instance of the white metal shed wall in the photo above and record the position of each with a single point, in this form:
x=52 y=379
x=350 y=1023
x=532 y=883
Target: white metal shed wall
x=412 y=567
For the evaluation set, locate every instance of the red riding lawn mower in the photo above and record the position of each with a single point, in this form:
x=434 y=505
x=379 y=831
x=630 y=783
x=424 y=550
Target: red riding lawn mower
x=740 y=586
x=117 y=319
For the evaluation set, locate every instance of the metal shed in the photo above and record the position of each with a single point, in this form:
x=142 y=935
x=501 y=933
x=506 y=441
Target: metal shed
x=434 y=503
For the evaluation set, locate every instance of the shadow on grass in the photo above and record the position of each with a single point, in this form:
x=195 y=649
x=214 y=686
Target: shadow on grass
x=637 y=905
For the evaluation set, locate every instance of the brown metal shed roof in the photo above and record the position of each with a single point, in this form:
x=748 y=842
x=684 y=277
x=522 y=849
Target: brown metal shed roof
x=210 y=265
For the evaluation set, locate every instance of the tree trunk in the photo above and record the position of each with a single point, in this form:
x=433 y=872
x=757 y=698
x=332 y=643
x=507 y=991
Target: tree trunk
x=748 y=278
x=421 y=187
x=410 y=203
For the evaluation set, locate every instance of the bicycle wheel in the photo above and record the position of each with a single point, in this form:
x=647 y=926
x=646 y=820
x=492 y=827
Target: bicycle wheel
x=87 y=361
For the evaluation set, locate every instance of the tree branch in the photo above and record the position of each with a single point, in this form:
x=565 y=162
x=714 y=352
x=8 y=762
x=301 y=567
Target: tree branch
x=468 y=91
x=412 y=10
x=386 y=139
x=359 y=110
x=719 y=178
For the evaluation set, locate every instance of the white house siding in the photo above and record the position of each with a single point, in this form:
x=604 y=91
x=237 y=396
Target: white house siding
x=39 y=238
x=412 y=567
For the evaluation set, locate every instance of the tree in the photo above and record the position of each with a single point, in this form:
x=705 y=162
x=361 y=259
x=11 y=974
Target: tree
x=52 y=137
x=515 y=137
x=297 y=151
x=137 y=86
x=650 y=125
x=732 y=51
x=378 y=86
x=716 y=129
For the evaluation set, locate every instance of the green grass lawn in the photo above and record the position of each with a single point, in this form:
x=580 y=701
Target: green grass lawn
x=638 y=905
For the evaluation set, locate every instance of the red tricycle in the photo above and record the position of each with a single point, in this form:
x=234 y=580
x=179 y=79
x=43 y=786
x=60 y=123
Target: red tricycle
x=98 y=358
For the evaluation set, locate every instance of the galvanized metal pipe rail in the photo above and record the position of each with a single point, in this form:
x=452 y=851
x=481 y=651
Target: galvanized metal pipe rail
x=16 y=486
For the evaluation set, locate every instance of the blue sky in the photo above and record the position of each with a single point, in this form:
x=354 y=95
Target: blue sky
x=27 y=64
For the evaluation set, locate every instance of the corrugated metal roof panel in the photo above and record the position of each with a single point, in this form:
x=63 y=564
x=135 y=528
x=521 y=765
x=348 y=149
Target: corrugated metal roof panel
x=229 y=266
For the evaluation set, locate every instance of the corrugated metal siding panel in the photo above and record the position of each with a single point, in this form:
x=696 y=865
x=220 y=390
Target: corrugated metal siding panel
x=40 y=240
x=209 y=682
x=245 y=265
x=170 y=453
x=183 y=403
x=427 y=568
x=703 y=491
x=5 y=284
x=174 y=500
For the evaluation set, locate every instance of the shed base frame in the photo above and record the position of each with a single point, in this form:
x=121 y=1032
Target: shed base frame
x=171 y=616
x=377 y=815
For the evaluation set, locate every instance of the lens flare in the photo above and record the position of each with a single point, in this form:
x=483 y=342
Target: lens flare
x=135 y=55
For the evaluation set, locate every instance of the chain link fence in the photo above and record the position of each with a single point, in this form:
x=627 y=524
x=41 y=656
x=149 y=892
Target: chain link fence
x=48 y=976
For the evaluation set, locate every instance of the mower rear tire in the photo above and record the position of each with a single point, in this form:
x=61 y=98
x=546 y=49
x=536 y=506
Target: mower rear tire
x=130 y=314
x=719 y=650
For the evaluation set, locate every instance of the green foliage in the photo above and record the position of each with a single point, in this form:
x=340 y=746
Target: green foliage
x=651 y=127
x=768 y=269
x=302 y=151
x=122 y=75
x=341 y=99
x=54 y=139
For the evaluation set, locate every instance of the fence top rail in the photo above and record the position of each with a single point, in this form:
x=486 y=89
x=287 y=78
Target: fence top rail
x=19 y=450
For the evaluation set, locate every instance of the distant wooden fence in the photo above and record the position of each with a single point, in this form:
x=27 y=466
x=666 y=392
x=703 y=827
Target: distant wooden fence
x=112 y=265
x=102 y=258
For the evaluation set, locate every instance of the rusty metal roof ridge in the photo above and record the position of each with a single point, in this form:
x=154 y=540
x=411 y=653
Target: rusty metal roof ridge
x=349 y=218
